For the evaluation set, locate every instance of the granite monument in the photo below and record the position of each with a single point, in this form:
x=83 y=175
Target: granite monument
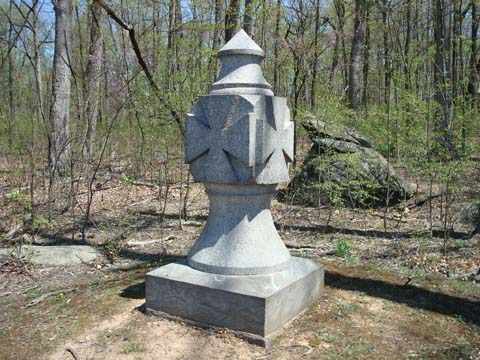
x=239 y=274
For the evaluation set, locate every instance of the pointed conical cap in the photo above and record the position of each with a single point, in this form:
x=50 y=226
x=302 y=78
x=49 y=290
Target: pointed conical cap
x=240 y=72
x=241 y=43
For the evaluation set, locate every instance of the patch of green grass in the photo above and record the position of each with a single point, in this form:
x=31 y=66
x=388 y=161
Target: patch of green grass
x=32 y=294
x=133 y=347
x=459 y=318
x=133 y=278
x=127 y=180
x=346 y=309
x=464 y=287
x=372 y=265
x=326 y=336
x=352 y=260
x=461 y=351
x=359 y=349
x=343 y=248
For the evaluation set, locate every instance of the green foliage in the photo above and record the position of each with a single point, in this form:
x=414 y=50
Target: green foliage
x=342 y=247
x=128 y=180
x=352 y=188
x=111 y=250
x=20 y=199
x=40 y=222
x=22 y=210
x=133 y=347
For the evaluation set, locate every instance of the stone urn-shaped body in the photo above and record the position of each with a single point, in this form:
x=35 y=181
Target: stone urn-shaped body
x=239 y=274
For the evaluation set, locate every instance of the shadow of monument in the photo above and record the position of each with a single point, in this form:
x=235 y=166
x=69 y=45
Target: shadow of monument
x=414 y=297
x=135 y=291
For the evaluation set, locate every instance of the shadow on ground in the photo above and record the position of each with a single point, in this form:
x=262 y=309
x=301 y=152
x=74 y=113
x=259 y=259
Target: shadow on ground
x=370 y=233
x=411 y=296
x=143 y=219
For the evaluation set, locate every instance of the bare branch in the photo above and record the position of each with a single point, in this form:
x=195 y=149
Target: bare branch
x=133 y=40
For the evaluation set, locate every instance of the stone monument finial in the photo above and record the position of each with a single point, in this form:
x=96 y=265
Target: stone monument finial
x=240 y=71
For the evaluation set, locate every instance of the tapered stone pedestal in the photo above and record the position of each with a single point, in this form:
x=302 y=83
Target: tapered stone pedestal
x=239 y=237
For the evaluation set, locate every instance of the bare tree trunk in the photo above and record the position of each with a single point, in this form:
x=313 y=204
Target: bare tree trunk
x=174 y=23
x=340 y=11
x=61 y=83
x=171 y=23
x=366 y=63
x=358 y=41
x=456 y=50
x=386 y=49
x=218 y=21
x=473 y=71
x=276 y=70
x=406 y=64
x=11 y=105
x=231 y=19
x=473 y=79
x=261 y=34
x=406 y=50
x=37 y=62
x=216 y=38
x=247 y=18
x=315 y=56
x=441 y=76
x=93 y=76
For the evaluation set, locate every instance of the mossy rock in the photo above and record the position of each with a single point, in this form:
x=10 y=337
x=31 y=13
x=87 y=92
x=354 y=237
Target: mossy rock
x=343 y=168
x=471 y=214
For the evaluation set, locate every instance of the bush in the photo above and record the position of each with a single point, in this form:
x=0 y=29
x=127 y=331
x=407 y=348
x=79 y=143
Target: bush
x=342 y=248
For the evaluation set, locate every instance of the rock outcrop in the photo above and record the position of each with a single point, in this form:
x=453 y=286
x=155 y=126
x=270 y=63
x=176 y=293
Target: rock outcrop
x=342 y=167
x=471 y=216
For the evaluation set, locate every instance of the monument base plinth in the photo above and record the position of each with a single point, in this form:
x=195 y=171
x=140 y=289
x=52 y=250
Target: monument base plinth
x=256 y=305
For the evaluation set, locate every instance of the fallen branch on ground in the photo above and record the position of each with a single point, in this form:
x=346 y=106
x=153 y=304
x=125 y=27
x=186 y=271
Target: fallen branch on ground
x=191 y=223
x=47 y=295
x=468 y=276
x=142 y=202
x=71 y=352
x=147 y=184
x=419 y=201
x=298 y=246
x=149 y=242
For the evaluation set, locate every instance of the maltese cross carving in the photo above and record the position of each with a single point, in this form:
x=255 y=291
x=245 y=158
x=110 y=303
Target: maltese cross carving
x=229 y=140
x=276 y=148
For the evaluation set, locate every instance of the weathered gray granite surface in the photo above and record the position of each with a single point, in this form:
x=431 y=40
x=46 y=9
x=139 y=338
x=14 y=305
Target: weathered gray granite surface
x=239 y=237
x=239 y=274
x=54 y=255
x=240 y=137
x=255 y=304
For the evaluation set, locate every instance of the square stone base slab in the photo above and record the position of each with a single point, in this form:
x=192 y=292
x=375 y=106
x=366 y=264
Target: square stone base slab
x=256 y=306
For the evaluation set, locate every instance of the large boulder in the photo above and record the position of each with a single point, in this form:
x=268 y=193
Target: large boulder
x=471 y=216
x=343 y=168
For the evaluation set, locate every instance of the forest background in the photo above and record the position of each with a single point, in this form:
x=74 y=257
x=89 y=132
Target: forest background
x=95 y=87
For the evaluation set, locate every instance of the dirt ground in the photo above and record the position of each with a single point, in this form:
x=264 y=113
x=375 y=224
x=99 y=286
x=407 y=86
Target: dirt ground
x=395 y=293
x=366 y=312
